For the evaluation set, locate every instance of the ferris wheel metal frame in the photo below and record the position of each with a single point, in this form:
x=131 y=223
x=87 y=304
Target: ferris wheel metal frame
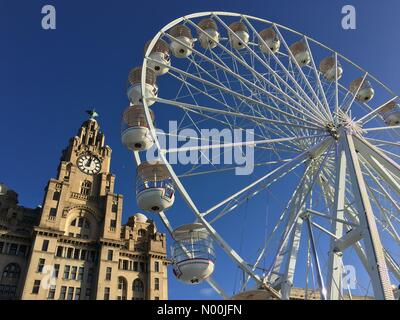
x=351 y=147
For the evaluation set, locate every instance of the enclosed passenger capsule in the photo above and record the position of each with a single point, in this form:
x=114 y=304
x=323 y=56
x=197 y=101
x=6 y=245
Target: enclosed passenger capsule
x=160 y=55
x=300 y=53
x=271 y=39
x=135 y=132
x=154 y=188
x=391 y=113
x=209 y=39
x=365 y=90
x=327 y=68
x=182 y=34
x=193 y=253
x=239 y=36
x=135 y=87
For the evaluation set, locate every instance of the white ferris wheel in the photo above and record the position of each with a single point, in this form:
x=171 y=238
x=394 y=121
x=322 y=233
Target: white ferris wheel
x=325 y=189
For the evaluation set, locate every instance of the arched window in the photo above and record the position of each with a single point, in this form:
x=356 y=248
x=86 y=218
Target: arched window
x=80 y=227
x=122 y=288
x=138 y=286
x=11 y=271
x=86 y=188
x=142 y=233
x=9 y=281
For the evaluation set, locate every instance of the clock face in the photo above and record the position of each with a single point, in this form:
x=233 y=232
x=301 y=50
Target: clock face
x=89 y=164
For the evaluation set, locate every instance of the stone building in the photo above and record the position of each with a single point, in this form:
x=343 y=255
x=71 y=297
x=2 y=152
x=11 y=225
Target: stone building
x=75 y=247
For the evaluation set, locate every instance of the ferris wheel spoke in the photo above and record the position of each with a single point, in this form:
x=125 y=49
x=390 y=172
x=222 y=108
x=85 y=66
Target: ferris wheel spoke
x=375 y=112
x=233 y=202
x=296 y=107
x=290 y=148
x=293 y=60
x=366 y=107
x=301 y=93
x=193 y=109
x=264 y=90
x=197 y=128
x=191 y=174
x=317 y=76
x=217 y=80
x=385 y=193
x=240 y=96
x=277 y=173
x=236 y=202
x=199 y=91
x=386 y=223
x=354 y=95
x=243 y=62
x=238 y=144
x=383 y=142
x=187 y=106
x=228 y=107
x=388 y=153
x=381 y=128
x=371 y=153
x=259 y=59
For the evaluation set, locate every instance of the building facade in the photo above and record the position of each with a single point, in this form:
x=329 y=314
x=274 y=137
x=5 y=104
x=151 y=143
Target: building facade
x=74 y=246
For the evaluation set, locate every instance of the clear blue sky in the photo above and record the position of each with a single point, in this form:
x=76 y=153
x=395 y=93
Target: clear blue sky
x=48 y=78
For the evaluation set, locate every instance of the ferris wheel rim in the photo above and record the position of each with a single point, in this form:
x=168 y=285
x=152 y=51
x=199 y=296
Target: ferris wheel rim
x=175 y=178
x=235 y=14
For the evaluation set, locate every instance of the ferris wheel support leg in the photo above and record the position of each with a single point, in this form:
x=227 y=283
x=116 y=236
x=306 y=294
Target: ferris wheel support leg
x=297 y=208
x=277 y=278
x=351 y=213
x=335 y=258
x=320 y=279
x=288 y=275
x=329 y=195
x=285 y=280
x=379 y=273
x=392 y=264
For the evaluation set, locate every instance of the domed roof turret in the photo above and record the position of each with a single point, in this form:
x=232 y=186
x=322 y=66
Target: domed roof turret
x=140 y=217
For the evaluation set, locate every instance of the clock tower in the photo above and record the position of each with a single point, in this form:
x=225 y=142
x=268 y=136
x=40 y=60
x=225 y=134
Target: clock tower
x=80 y=248
x=84 y=187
